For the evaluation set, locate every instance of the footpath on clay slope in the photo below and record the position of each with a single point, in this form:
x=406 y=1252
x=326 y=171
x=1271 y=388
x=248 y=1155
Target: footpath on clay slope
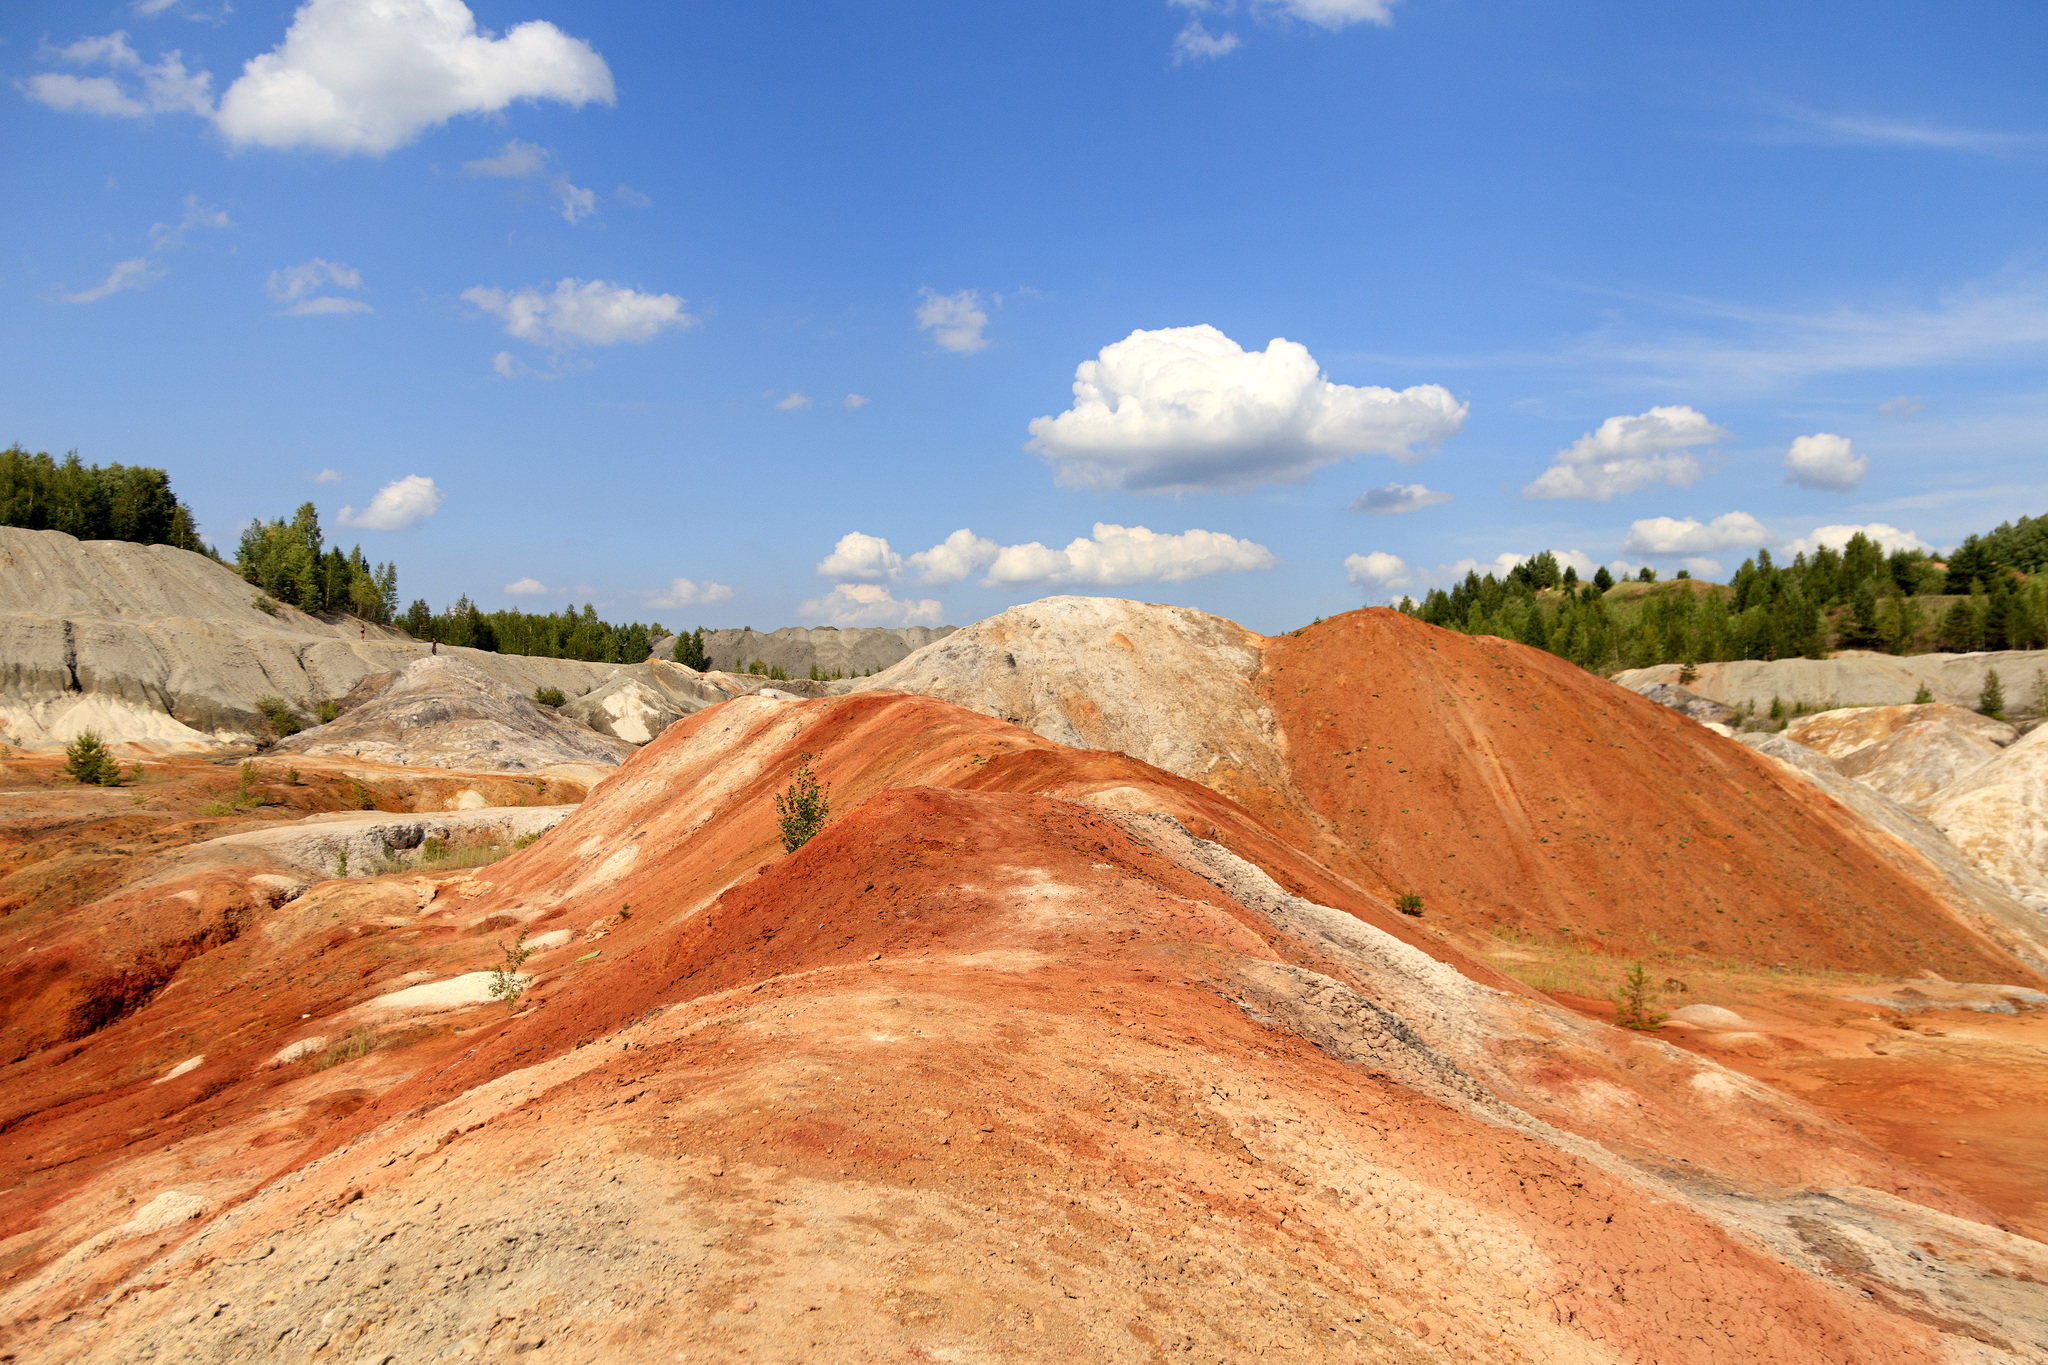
x=1032 y=1052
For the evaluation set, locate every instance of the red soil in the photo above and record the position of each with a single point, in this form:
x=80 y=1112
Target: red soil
x=975 y=955
x=1510 y=788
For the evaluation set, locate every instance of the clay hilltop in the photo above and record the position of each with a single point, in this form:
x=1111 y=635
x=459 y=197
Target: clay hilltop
x=797 y=651
x=1151 y=989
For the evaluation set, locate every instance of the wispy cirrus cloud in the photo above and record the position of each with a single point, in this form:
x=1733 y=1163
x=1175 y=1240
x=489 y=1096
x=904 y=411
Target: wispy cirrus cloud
x=1796 y=124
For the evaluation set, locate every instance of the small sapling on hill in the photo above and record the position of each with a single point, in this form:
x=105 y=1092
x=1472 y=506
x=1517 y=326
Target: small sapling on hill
x=804 y=807
x=1633 y=1002
x=506 y=983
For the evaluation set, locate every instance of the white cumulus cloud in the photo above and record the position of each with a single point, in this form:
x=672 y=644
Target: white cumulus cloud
x=326 y=476
x=1333 y=14
x=858 y=555
x=527 y=587
x=954 y=320
x=198 y=214
x=582 y=313
x=1117 y=555
x=298 y=286
x=1887 y=536
x=1628 y=453
x=1379 y=571
x=1824 y=461
x=1187 y=408
x=1112 y=556
x=854 y=400
x=366 y=76
x=870 y=604
x=1398 y=497
x=399 y=505
x=132 y=273
x=956 y=557
x=790 y=402
x=1671 y=536
x=684 y=592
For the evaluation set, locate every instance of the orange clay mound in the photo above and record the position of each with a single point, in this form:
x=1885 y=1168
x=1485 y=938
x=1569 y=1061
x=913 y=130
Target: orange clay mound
x=1509 y=788
x=1032 y=1053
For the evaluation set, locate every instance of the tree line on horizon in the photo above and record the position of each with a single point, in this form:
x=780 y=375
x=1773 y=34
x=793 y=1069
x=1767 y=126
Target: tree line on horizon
x=94 y=502
x=1989 y=594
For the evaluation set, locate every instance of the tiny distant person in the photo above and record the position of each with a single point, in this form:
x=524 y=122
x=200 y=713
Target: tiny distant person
x=437 y=646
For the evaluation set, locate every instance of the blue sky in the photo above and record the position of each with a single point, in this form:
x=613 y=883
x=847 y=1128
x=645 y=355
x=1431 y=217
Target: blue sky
x=773 y=314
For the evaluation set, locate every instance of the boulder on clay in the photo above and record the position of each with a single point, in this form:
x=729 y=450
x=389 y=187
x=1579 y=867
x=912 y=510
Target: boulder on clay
x=1692 y=704
x=1843 y=731
x=442 y=712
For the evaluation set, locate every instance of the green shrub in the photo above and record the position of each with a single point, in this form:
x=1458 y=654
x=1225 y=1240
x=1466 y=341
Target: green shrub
x=87 y=760
x=341 y=863
x=361 y=1042
x=265 y=604
x=329 y=709
x=431 y=850
x=278 y=716
x=776 y=674
x=361 y=796
x=2040 y=703
x=505 y=982
x=803 y=808
x=549 y=696
x=214 y=810
x=689 y=650
x=1633 y=1002
x=1923 y=696
x=1408 y=903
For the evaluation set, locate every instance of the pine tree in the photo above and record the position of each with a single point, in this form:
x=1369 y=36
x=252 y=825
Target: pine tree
x=87 y=760
x=1633 y=1002
x=1991 y=701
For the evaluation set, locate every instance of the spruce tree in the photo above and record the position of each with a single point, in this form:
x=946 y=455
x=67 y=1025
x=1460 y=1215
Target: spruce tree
x=1991 y=701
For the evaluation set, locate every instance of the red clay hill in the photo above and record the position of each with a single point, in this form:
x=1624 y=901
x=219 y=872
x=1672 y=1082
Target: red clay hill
x=1033 y=1053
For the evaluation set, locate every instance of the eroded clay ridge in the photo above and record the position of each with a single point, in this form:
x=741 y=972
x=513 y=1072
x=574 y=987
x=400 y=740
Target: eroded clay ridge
x=1033 y=1052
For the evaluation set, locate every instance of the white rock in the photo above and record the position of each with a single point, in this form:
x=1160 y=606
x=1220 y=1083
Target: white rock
x=1998 y=816
x=1709 y=1017
x=189 y=1064
x=457 y=992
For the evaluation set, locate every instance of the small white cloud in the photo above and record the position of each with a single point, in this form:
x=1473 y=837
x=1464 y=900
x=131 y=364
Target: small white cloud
x=366 y=76
x=956 y=557
x=854 y=400
x=1333 y=14
x=1398 y=497
x=1195 y=43
x=325 y=476
x=870 y=604
x=132 y=273
x=297 y=287
x=166 y=236
x=1378 y=571
x=137 y=91
x=582 y=313
x=684 y=592
x=626 y=194
x=1902 y=408
x=1117 y=555
x=1670 y=536
x=790 y=402
x=576 y=203
x=1824 y=461
x=1888 y=538
x=515 y=160
x=861 y=556
x=954 y=320
x=527 y=587
x=1187 y=408
x=399 y=505
x=1702 y=567
x=1628 y=453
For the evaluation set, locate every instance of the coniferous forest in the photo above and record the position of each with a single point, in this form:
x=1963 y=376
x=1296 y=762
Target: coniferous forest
x=1989 y=594
x=91 y=502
